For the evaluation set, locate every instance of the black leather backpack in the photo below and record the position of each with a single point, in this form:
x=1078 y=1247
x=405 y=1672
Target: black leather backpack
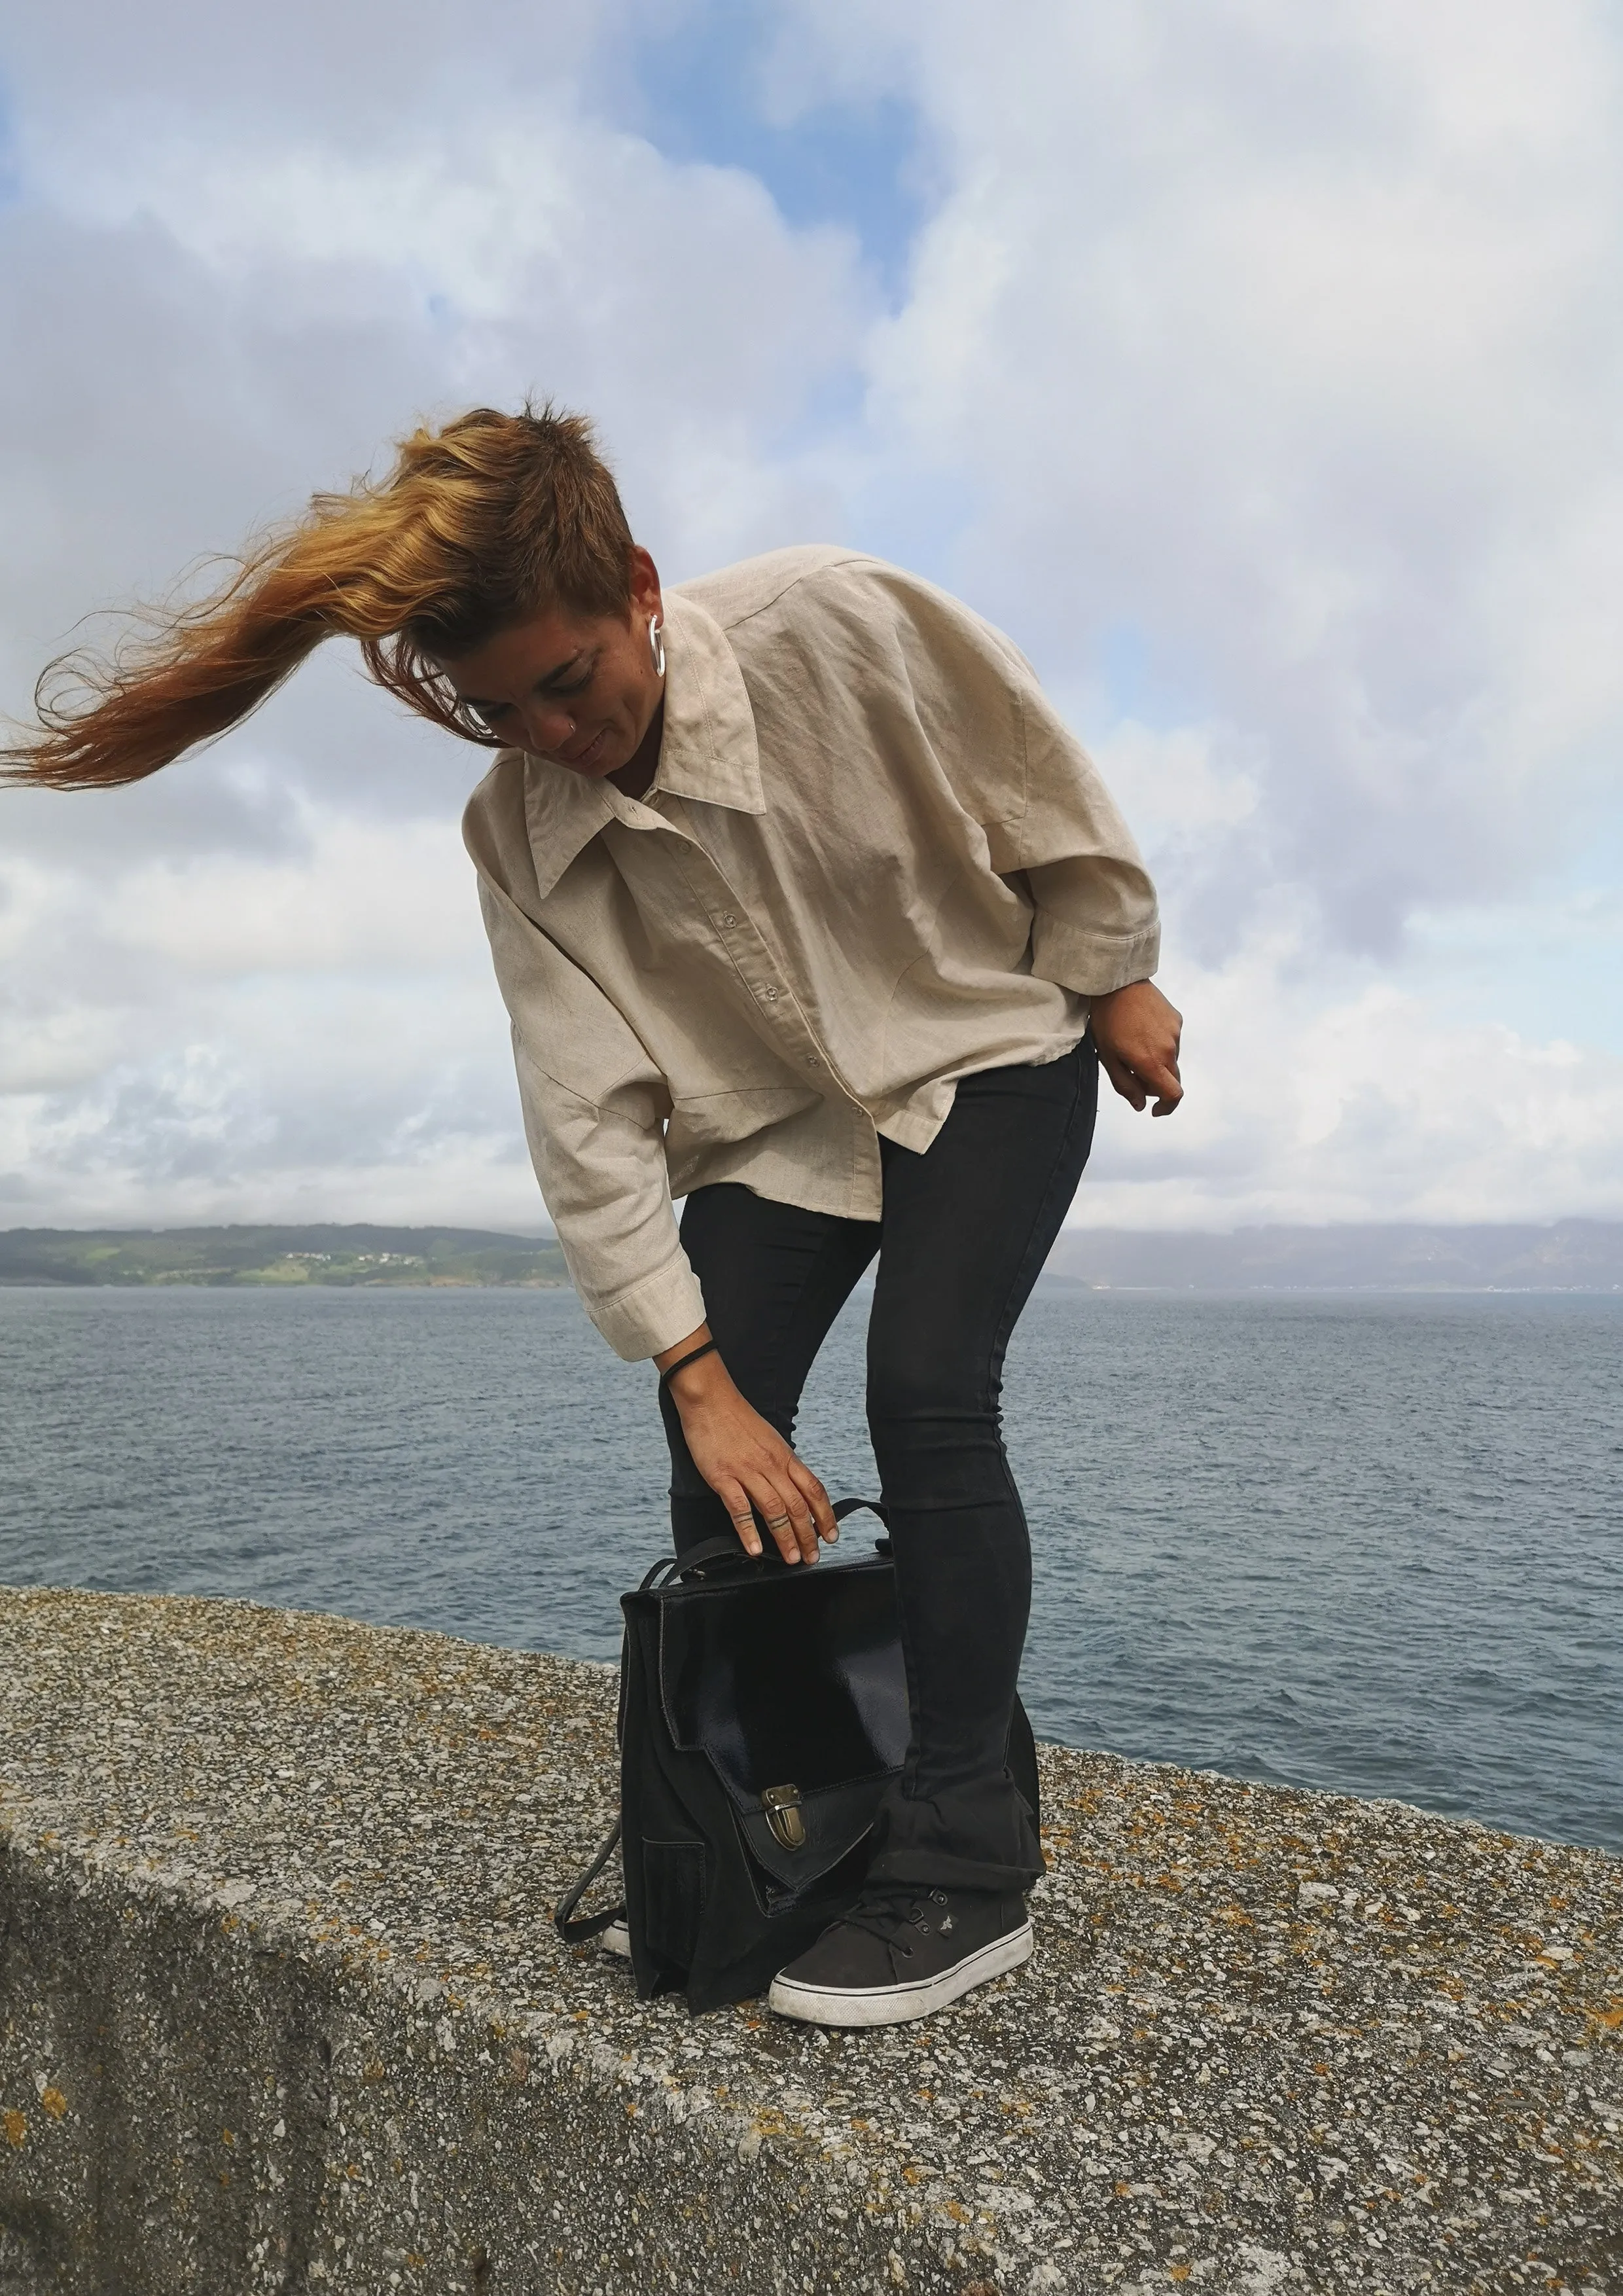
x=763 y=1713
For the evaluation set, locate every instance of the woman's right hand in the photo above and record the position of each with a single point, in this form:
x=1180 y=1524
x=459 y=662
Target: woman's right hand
x=745 y=1461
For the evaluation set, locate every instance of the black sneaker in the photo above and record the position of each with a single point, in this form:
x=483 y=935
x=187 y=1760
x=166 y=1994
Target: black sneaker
x=897 y=1956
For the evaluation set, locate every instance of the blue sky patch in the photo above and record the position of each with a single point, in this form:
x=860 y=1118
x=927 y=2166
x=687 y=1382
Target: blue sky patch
x=858 y=166
x=1142 y=684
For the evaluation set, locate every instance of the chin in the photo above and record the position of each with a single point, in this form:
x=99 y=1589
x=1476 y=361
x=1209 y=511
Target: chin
x=608 y=760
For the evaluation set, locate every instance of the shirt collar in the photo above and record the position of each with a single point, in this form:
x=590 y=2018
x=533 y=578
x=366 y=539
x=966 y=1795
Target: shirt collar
x=707 y=751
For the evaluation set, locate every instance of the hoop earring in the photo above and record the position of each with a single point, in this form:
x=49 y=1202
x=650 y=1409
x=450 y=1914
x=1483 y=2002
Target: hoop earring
x=656 y=643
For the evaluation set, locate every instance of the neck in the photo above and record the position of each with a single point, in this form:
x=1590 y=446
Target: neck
x=634 y=778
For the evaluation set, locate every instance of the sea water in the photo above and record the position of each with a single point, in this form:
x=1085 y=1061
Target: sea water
x=1359 y=1541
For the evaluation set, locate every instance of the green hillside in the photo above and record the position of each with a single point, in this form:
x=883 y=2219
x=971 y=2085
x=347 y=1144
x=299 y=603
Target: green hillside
x=322 y=1254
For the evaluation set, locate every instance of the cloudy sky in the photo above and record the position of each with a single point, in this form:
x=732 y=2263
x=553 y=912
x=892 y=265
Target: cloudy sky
x=1259 y=368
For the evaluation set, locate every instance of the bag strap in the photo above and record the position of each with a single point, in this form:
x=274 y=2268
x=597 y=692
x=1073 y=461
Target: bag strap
x=577 y=1930
x=671 y=1567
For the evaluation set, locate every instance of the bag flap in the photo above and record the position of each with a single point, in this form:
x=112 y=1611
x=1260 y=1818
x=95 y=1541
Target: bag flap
x=793 y=1678
x=832 y=1822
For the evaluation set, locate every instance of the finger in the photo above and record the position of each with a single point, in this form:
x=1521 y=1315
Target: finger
x=799 y=1509
x=1164 y=1080
x=777 y=1512
x=817 y=1498
x=736 y=1501
x=1122 y=1076
x=1160 y=1075
x=806 y=1520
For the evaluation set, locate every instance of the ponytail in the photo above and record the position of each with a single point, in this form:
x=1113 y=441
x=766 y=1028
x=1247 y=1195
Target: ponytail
x=478 y=525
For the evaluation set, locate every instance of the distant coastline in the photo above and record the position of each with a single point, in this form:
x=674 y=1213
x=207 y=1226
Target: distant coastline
x=1573 y=1255
x=279 y=1257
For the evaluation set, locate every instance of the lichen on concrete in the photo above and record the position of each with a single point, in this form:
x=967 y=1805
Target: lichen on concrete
x=281 y=2010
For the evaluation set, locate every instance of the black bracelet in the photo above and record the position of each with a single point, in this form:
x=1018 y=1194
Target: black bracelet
x=670 y=1373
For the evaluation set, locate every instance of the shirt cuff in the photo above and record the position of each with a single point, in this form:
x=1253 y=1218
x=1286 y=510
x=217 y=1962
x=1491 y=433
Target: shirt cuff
x=1093 y=963
x=652 y=1315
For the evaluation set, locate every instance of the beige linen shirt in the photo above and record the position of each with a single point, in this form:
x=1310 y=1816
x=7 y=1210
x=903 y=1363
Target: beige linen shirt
x=872 y=860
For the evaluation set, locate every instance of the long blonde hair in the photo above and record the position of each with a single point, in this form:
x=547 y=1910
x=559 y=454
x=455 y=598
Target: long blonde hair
x=478 y=525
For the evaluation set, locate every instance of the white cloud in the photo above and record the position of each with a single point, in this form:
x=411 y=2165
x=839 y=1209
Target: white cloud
x=368 y=895
x=230 y=1038
x=1309 y=1105
x=1260 y=369
x=1296 y=342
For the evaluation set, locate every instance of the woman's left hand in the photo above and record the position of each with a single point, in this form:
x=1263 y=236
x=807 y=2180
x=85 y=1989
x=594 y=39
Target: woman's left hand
x=1138 y=1033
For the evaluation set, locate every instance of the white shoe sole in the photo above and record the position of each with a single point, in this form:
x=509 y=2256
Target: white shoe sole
x=898 y=2005
x=616 y=1938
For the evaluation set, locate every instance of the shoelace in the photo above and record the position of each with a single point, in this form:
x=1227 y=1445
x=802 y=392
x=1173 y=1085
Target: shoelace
x=884 y=1918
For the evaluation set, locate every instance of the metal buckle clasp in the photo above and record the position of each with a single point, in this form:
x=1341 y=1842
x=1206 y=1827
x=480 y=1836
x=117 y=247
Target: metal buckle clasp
x=781 y=1804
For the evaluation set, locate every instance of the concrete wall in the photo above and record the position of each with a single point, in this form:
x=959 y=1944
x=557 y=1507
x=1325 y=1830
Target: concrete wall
x=281 y=2010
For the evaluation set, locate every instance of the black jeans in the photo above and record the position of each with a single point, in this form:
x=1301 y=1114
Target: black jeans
x=965 y=1229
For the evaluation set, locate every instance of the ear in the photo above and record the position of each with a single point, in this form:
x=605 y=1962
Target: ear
x=644 y=583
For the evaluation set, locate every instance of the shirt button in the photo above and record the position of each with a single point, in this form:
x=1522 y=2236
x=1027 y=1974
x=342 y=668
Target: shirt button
x=768 y=995
x=728 y=919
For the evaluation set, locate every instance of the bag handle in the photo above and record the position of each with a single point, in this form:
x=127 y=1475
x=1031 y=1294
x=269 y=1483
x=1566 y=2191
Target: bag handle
x=672 y=1567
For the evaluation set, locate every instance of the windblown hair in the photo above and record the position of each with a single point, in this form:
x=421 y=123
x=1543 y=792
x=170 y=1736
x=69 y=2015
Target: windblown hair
x=479 y=525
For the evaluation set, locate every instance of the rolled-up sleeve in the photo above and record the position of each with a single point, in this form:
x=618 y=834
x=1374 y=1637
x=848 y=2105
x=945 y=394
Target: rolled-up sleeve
x=1096 y=927
x=594 y=1110
x=1021 y=774
x=1097 y=924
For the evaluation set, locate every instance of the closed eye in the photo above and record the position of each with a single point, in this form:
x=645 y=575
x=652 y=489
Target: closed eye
x=551 y=688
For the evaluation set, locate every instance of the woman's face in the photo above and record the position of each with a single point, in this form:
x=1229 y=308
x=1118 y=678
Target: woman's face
x=579 y=689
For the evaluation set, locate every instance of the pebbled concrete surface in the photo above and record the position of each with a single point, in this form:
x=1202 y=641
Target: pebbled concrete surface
x=281 y=2010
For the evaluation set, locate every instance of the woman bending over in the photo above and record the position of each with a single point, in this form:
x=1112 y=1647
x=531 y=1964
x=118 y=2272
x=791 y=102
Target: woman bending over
x=808 y=909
